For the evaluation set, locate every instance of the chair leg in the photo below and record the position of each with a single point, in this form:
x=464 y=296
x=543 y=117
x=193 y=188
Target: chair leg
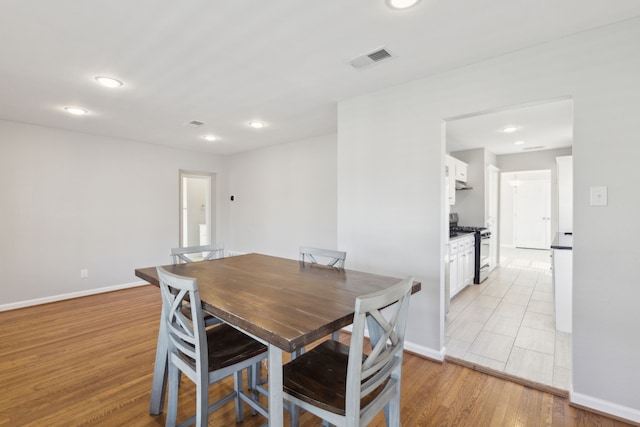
x=172 y=404
x=392 y=411
x=294 y=415
x=202 y=401
x=237 y=386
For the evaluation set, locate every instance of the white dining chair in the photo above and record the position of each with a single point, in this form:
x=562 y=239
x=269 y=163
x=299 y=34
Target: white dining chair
x=346 y=386
x=194 y=254
x=205 y=356
x=197 y=253
x=329 y=257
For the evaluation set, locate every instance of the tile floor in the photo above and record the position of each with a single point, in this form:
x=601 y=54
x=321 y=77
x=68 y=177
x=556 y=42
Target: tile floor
x=507 y=322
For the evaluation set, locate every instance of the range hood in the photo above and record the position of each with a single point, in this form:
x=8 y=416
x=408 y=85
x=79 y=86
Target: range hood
x=460 y=185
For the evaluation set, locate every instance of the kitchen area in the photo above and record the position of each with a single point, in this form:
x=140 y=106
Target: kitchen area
x=508 y=297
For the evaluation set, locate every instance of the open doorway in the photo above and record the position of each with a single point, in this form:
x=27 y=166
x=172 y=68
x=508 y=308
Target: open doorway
x=506 y=323
x=197 y=209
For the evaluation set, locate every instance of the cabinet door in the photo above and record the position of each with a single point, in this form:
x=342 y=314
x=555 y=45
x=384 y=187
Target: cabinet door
x=461 y=170
x=472 y=261
x=453 y=275
x=462 y=263
x=450 y=186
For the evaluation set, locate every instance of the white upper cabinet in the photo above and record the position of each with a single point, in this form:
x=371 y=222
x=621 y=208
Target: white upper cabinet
x=455 y=171
x=565 y=193
x=461 y=170
x=450 y=172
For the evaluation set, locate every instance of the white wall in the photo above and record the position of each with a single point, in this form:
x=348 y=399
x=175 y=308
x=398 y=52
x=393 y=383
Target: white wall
x=391 y=201
x=285 y=197
x=72 y=201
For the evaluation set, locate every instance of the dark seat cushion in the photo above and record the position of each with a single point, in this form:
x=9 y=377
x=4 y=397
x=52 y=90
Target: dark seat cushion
x=319 y=377
x=228 y=346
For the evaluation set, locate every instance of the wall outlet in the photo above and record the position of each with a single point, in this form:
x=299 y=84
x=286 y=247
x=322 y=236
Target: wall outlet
x=84 y=273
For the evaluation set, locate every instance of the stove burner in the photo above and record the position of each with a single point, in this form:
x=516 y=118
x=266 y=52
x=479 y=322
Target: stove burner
x=466 y=229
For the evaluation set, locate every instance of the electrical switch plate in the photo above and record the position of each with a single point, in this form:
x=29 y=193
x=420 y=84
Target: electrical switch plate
x=84 y=273
x=599 y=196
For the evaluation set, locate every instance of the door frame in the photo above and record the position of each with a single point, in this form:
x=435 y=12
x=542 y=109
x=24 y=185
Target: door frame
x=210 y=208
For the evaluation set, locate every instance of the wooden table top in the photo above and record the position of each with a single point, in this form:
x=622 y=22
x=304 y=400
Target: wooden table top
x=285 y=302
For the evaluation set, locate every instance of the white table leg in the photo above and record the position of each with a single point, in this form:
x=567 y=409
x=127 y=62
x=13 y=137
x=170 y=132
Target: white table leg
x=276 y=418
x=159 y=384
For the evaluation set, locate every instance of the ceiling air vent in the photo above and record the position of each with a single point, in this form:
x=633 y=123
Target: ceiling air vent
x=537 y=147
x=371 y=58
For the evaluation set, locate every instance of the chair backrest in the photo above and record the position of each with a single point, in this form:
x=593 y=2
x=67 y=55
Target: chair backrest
x=386 y=333
x=198 y=253
x=186 y=337
x=335 y=258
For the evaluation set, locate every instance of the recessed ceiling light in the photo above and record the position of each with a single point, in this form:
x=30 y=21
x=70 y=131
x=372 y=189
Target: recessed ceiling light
x=210 y=138
x=510 y=129
x=256 y=125
x=402 y=4
x=77 y=111
x=518 y=143
x=109 y=82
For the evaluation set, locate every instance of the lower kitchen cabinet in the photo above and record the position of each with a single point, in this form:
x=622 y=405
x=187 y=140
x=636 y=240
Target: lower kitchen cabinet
x=461 y=263
x=562 y=266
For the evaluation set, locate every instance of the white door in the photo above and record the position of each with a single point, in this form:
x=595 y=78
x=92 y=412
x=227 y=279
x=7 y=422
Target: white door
x=532 y=207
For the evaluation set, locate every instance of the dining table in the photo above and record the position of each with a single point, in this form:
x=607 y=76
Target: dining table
x=286 y=304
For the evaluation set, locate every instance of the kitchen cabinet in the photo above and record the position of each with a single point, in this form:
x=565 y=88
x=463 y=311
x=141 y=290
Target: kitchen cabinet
x=450 y=178
x=455 y=171
x=562 y=266
x=460 y=170
x=461 y=263
x=565 y=193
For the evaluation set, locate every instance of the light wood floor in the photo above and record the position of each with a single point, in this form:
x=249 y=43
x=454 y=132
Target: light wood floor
x=89 y=361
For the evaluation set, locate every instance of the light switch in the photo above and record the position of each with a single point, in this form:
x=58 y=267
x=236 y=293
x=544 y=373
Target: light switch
x=599 y=196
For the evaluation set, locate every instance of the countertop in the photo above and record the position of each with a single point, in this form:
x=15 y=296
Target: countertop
x=562 y=241
x=459 y=235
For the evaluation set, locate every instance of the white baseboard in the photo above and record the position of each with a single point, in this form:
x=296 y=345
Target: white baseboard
x=604 y=406
x=427 y=352
x=234 y=253
x=71 y=295
x=420 y=350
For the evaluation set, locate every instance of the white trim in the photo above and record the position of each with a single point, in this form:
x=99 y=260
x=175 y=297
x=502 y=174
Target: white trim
x=607 y=407
x=425 y=351
x=61 y=297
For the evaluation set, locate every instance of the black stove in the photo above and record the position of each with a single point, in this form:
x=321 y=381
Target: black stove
x=459 y=230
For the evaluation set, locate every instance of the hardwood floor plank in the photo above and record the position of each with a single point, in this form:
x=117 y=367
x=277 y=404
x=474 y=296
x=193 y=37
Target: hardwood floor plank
x=89 y=362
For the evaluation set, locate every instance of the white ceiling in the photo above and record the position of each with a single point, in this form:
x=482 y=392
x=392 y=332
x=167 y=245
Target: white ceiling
x=228 y=62
x=542 y=126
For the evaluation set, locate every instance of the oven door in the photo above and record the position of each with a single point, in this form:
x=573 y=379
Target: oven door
x=485 y=256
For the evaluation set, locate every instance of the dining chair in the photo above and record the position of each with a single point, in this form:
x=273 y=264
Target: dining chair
x=346 y=386
x=197 y=253
x=205 y=356
x=331 y=257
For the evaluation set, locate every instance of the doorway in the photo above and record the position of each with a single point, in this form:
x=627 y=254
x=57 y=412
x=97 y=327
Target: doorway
x=506 y=323
x=197 y=209
x=526 y=209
